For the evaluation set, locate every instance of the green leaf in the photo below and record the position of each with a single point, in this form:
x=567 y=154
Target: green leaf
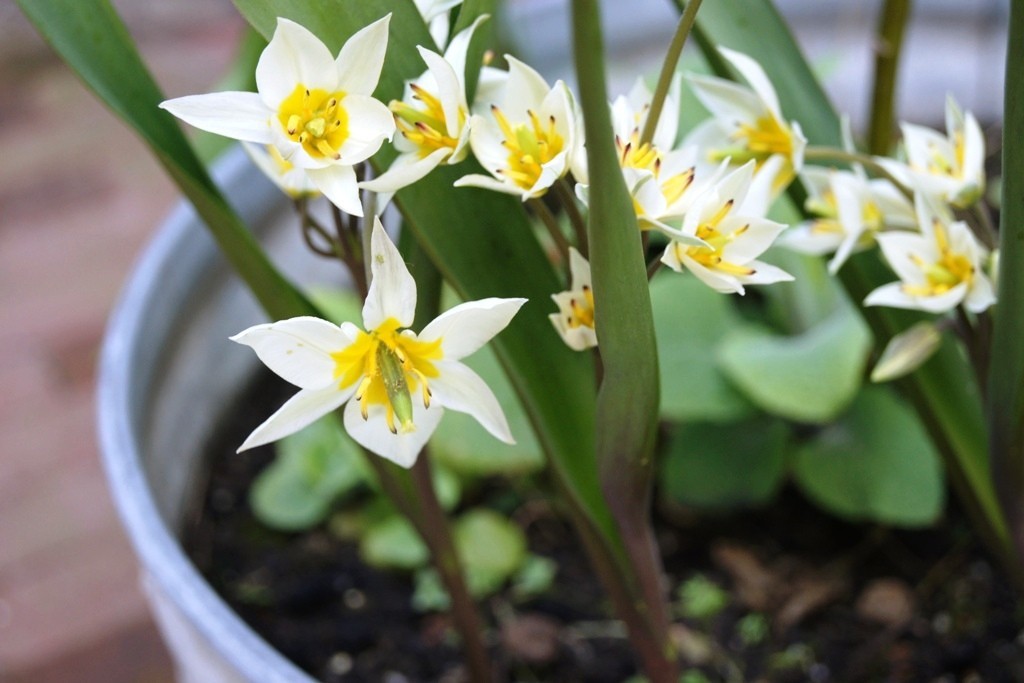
x=876 y=463
x=490 y=547
x=393 y=543
x=724 y=465
x=91 y=38
x=338 y=305
x=314 y=467
x=811 y=377
x=690 y=321
x=429 y=594
x=534 y=577
x=701 y=598
x=478 y=239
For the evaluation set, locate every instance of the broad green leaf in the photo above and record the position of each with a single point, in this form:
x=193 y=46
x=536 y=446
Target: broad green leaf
x=429 y=594
x=811 y=377
x=484 y=246
x=490 y=547
x=393 y=543
x=725 y=465
x=91 y=38
x=942 y=391
x=313 y=469
x=690 y=321
x=534 y=577
x=876 y=463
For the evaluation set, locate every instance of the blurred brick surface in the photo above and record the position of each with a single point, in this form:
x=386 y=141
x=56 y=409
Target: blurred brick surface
x=79 y=196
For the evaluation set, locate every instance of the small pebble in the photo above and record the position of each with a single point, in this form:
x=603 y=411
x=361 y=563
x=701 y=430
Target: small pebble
x=941 y=623
x=340 y=663
x=887 y=601
x=532 y=638
x=354 y=599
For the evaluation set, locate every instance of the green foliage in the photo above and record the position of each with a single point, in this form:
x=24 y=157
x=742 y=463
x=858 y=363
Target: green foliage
x=724 y=465
x=393 y=543
x=700 y=598
x=313 y=469
x=534 y=577
x=875 y=463
x=490 y=547
x=690 y=322
x=811 y=377
x=752 y=629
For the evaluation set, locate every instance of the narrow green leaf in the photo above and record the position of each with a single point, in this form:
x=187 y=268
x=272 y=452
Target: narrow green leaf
x=1006 y=380
x=874 y=464
x=92 y=39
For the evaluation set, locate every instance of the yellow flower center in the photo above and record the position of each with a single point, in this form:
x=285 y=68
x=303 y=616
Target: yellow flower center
x=710 y=256
x=426 y=128
x=581 y=311
x=390 y=368
x=316 y=120
x=647 y=157
x=950 y=270
x=530 y=146
x=827 y=209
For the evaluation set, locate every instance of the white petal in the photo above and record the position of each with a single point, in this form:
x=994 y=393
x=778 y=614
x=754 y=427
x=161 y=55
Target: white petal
x=406 y=170
x=728 y=102
x=301 y=410
x=524 y=89
x=756 y=77
x=293 y=57
x=373 y=434
x=361 y=58
x=298 y=349
x=465 y=328
x=238 y=115
x=897 y=248
x=455 y=54
x=488 y=183
x=579 y=268
x=893 y=295
x=459 y=388
x=751 y=243
x=449 y=89
x=716 y=280
x=338 y=184
x=805 y=239
x=576 y=338
x=393 y=290
x=370 y=123
x=765 y=274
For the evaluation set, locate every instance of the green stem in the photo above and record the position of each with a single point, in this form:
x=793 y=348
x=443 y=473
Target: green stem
x=567 y=198
x=892 y=23
x=554 y=229
x=668 y=69
x=870 y=163
x=1006 y=381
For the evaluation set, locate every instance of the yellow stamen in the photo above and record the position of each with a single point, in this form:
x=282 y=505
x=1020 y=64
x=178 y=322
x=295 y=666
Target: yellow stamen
x=315 y=119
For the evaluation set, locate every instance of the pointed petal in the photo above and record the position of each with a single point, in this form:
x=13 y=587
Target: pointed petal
x=756 y=77
x=455 y=54
x=449 y=89
x=981 y=294
x=728 y=102
x=338 y=184
x=238 y=115
x=406 y=170
x=370 y=123
x=361 y=58
x=579 y=268
x=488 y=183
x=720 y=282
x=524 y=89
x=459 y=388
x=373 y=434
x=468 y=326
x=297 y=349
x=301 y=410
x=393 y=291
x=758 y=234
x=765 y=274
x=293 y=57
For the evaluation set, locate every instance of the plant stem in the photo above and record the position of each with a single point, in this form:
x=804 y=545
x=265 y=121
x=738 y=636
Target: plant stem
x=892 y=23
x=668 y=69
x=1006 y=381
x=437 y=533
x=554 y=229
x=831 y=153
x=567 y=198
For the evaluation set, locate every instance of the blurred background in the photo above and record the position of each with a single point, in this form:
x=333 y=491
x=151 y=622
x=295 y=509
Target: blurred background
x=80 y=196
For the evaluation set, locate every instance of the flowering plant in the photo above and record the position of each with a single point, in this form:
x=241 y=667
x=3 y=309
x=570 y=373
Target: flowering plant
x=550 y=212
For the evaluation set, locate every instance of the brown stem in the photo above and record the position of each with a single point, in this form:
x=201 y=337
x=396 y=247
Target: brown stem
x=567 y=199
x=437 y=534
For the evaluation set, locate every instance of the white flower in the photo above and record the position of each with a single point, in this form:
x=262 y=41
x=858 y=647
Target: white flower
x=531 y=137
x=316 y=110
x=293 y=181
x=951 y=167
x=396 y=383
x=732 y=238
x=435 y=13
x=939 y=268
x=575 y=318
x=747 y=122
x=850 y=210
x=432 y=118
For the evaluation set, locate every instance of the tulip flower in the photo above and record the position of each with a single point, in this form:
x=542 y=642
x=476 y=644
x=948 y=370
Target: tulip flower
x=394 y=383
x=575 y=318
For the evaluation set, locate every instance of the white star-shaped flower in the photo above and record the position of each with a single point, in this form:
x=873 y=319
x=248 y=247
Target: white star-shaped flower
x=575 y=318
x=396 y=384
x=317 y=111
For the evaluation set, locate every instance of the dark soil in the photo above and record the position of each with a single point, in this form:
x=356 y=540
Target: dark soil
x=808 y=597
